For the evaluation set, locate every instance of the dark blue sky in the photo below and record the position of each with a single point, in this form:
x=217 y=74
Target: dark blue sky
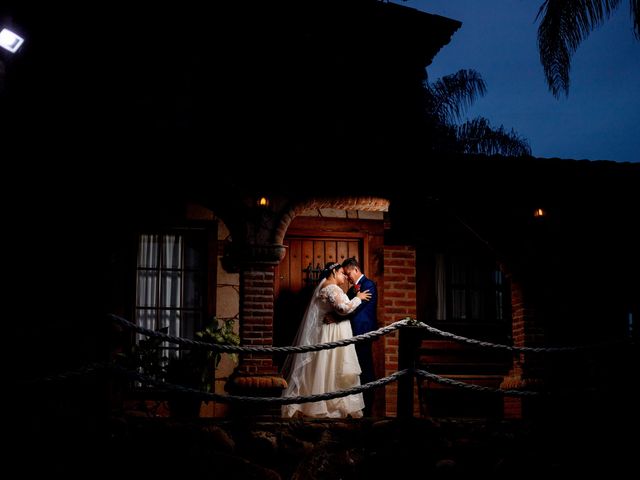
x=600 y=120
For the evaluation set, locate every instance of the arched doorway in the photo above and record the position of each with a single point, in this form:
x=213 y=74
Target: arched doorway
x=322 y=232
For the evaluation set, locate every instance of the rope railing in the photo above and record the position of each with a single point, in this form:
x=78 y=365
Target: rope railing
x=470 y=386
x=356 y=339
x=272 y=400
x=261 y=349
x=112 y=367
x=512 y=348
x=132 y=375
x=94 y=368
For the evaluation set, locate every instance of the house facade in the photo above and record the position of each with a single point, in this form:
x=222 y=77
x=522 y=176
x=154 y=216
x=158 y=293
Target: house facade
x=322 y=118
x=479 y=256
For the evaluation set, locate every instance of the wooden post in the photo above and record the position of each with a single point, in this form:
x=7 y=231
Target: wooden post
x=408 y=345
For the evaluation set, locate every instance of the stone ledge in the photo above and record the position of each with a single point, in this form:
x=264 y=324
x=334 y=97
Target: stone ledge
x=255 y=385
x=257 y=382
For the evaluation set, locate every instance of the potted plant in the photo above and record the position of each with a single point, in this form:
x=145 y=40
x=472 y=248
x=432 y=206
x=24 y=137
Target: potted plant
x=195 y=367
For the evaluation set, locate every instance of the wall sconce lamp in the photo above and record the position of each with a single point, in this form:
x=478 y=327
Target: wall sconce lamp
x=262 y=202
x=539 y=212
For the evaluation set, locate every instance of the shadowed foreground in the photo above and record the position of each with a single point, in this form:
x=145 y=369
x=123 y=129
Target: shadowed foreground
x=369 y=448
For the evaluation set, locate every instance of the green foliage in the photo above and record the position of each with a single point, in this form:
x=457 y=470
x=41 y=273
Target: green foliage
x=195 y=366
x=189 y=366
x=220 y=333
x=147 y=358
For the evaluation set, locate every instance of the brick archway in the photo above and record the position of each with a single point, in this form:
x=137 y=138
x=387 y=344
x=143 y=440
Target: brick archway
x=370 y=204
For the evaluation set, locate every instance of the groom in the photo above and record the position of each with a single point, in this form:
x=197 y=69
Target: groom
x=363 y=320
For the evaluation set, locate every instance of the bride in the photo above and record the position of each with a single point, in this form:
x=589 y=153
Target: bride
x=326 y=370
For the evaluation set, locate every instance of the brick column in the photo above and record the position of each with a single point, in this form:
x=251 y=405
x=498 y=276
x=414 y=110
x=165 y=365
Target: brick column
x=525 y=372
x=256 y=374
x=256 y=317
x=399 y=302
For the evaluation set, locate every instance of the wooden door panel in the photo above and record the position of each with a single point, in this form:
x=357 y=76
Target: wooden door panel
x=330 y=251
x=318 y=254
x=342 y=250
x=353 y=249
x=307 y=253
x=295 y=267
x=302 y=253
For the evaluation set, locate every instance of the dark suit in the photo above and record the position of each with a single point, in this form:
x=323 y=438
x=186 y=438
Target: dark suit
x=363 y=320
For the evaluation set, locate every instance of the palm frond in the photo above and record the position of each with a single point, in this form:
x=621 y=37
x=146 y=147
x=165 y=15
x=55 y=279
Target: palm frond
x=564 y=25
x=450 y=96
x=478 y=136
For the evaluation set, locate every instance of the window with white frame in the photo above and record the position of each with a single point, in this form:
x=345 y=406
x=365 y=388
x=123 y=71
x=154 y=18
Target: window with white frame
x=171 y=281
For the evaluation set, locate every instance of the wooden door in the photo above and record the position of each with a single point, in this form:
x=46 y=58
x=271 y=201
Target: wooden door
x=297 y=276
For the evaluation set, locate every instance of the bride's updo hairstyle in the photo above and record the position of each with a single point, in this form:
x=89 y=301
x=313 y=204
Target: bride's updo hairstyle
x=329 y=268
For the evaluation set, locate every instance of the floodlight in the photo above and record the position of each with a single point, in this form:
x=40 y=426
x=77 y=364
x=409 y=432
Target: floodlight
x=10 y=41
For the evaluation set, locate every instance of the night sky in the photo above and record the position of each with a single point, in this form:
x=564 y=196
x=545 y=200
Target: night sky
x=600 y=120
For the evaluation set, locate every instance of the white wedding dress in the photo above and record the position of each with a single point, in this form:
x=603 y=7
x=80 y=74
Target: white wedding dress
x=327 y=370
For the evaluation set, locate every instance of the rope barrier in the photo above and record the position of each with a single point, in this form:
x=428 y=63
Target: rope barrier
x=112 y=367
x=96 y=367
x=356 y=339
x=261 y=349
x=511 y=348
x=92 y=368
x=274 y=400
x=131 y=375
x=469 y=386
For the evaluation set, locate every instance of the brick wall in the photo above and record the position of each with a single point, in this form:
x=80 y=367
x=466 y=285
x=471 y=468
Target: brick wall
x=525 y=372
x=399 y=302
x=256 y=317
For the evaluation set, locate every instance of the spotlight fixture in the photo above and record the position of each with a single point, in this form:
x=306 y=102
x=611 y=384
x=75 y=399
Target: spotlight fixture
x=10 y=41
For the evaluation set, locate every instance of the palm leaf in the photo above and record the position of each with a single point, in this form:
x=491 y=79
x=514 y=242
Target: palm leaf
x=450 y=96
x=565 y=24
x=478 y=136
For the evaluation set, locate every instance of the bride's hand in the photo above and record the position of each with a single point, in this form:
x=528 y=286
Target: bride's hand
x=365 y=295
